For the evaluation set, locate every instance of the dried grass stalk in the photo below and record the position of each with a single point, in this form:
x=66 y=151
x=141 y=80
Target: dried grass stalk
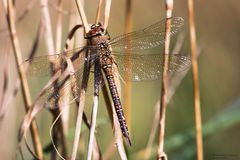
x=98 y=11
x=107 y=13
x=197 y=106
x=24 y=84
x=164 y=83
x=48 y=35
x=92 y=129
x=82 y=15
x=173 y=85
x=83 y=88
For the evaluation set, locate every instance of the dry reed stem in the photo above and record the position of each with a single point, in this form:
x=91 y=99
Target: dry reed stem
x=174 y=83
x=48 y=38
x=128 y=86
x=48 y=29
x=9 y=99
x=82 y=15
x=64 y=118
x=96 y=149
x=65 y=97
x=52 y=136
x=69 y=44
x=164 y=84
x=48 y=35
x=198 y=121
x=78 y=125
x=35 y=108
x=79 y=40
x=98 y=11
x=107 y=13
x=59 y=27
x=24 y=84
x=97 y=79
x=92 y=129
x=26 y=10
x=82 y=91
x=92 y=140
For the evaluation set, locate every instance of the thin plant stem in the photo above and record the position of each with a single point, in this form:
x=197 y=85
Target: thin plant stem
x=78 y=124
x=128 y=86
x=92 y=140
x=48 y=29
x=197 y=106
x=98 y=78
x=82 y=15
x=93 y=126
x=164 y=83
x=96 y=150
x=174 y=83
x=51 y=50
x=98 y=11
x=83 y=87
x=24 y=13
x=69 y=44
x=48 y=37
x=24 y=84
x=63 y=124
x=9 y=99
x=107 y=13
x=59 y=26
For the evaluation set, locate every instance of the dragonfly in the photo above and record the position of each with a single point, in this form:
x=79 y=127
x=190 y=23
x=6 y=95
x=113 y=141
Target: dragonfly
x=107 y=55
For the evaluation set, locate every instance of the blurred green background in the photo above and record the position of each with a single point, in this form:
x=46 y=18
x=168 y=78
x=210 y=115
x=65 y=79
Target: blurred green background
x=218 y=30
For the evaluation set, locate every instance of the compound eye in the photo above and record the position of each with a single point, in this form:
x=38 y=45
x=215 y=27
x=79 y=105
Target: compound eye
x=93 y=26
x=97 y=25
x=102 y=30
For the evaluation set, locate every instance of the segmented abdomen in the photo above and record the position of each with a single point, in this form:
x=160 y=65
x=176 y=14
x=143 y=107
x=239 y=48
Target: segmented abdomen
x=107 y=62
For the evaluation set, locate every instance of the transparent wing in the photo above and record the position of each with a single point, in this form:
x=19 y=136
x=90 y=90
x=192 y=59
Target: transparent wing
x=66 y=84
x=176 y=23
x=40 y=66
x=149 y=66
x=70 y=86
x=147 y=38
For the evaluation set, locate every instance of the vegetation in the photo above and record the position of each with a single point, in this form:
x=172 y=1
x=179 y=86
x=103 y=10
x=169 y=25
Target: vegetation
x=164 y=116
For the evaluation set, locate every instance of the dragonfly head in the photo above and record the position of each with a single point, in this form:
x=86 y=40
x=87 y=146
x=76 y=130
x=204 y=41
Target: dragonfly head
x=96 y=30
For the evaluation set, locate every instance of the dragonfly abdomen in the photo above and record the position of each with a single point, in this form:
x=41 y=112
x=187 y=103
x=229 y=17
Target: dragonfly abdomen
x=107 y=68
